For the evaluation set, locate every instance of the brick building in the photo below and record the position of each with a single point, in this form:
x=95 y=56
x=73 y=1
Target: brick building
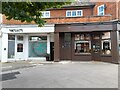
x=79 y=31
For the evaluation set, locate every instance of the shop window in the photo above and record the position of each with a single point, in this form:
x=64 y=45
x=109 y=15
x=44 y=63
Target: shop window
x=96 y=36
x=106 y=35
x=11 y=46
x=37 y=46
x=20 y=47
x=106 y=43
x=37 y=38
x=82 y=44
x=20 y=38
x=101 y=10
x=11 y=37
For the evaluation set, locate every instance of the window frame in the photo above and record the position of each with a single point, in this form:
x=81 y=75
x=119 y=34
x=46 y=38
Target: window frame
x=44 y=14
x=80 y=41
x=110 y=42
x=99 y=12
x=71 y=12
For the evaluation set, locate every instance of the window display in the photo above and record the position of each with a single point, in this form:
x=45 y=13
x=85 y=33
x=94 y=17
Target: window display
x=106 y=43
x=11 y=37
x=106 y=47
x=20 y=47
x=105 y=35
x=82 y=44
x=96 y=36
x=20 y=38
x=37 y=46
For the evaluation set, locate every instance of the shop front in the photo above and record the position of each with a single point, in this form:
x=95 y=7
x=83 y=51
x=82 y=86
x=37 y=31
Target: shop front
x=26 y=42
x=91 y=42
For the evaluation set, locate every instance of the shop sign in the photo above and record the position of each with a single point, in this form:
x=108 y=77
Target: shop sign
x=16 y=30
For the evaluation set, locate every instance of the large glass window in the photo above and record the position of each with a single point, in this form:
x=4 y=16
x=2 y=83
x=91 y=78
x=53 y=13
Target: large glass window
x=11 y=46
x=37 y=46
x=106 y=43
x=82 y=43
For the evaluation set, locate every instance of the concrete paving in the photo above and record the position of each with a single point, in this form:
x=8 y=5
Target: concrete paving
x=63 y=75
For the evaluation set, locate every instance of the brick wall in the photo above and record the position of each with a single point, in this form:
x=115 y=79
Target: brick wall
x=118 y=10
x=89 y=15
x=79 y=20
x=62 y=12
x=110 y=8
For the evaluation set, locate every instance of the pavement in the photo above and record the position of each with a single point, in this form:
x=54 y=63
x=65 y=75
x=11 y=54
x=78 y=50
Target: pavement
x=13 y=65
x=64 y=74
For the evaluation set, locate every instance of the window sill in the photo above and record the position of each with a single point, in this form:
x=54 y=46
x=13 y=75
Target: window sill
x=106 y=55
x=83 y=54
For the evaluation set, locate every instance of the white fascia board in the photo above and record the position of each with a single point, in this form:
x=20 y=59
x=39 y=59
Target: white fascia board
x=30 y=29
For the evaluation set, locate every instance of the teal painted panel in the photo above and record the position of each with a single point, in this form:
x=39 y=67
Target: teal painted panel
x=37 y=49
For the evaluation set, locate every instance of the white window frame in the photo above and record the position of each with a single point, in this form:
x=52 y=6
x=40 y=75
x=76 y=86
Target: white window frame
x=106 y=41
x=99 y=13
x=44 y=14
x=76 y=13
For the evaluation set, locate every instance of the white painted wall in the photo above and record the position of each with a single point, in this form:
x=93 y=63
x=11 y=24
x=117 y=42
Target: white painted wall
x=4 y=46
x=26 y=47
x=48 y=43
x=0 y=47
x=26 y=31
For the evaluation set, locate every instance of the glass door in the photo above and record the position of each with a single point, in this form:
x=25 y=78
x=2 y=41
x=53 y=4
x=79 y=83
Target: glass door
x=19 y=47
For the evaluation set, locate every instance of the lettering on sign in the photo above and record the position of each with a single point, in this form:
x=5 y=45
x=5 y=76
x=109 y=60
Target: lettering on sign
x=16 y=30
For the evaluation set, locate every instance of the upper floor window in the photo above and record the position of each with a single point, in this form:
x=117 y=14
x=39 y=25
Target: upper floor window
x=45 y=14
x=74 y=13
x=101 y=10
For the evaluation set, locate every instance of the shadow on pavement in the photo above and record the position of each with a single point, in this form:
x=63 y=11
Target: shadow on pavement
x=9 y=76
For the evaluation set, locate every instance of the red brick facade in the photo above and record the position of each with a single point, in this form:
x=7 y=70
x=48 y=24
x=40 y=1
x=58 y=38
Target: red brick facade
x=89 y=14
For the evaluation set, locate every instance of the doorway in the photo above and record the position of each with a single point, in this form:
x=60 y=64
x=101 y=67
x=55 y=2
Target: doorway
x=51 y=51
x=96 y=46
x=65 y=46
x=19 y=47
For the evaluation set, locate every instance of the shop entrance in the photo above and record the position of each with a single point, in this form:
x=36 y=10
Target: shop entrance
x=19 y=47
x=51 y=51
x=96 y=46
x=65 y=46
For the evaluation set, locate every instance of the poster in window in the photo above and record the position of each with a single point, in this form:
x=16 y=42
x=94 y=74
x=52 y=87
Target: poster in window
x=77 y=37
